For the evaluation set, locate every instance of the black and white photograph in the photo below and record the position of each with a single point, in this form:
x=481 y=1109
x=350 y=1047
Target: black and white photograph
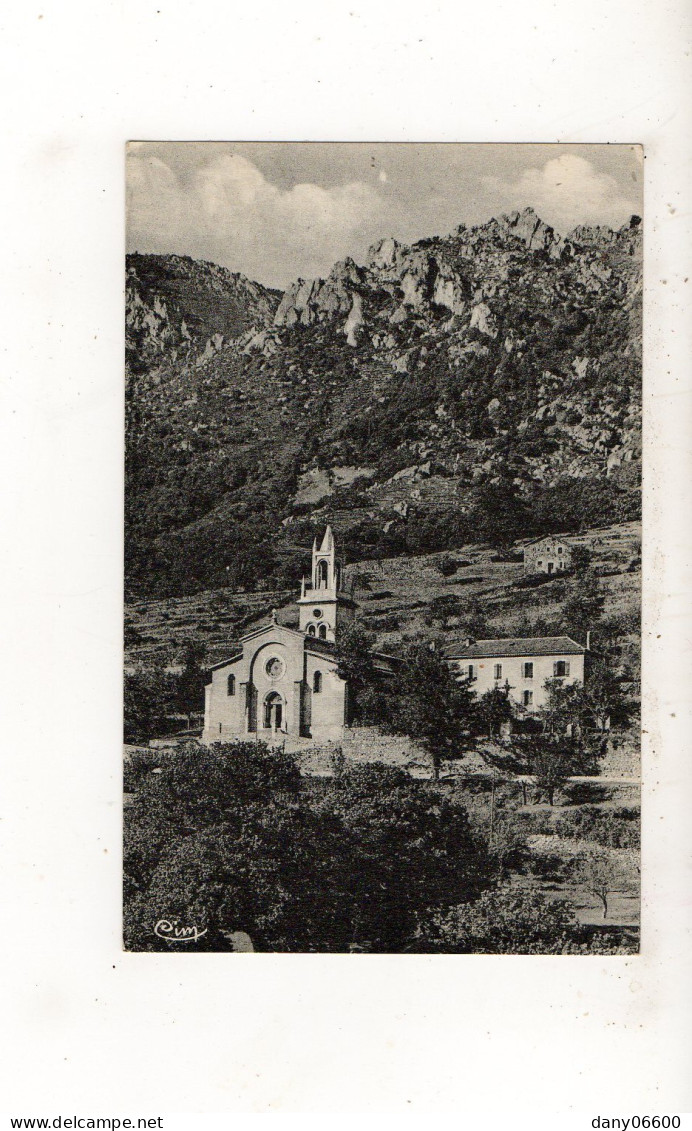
x=383 y=548
x=347 y=565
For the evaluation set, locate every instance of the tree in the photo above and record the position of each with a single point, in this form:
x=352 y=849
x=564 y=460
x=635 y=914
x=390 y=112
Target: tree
x=222 y=840
x=446 y=565
x=580 y=559
x=407 y=852
x=494 y=708
x=584 y=713
x=601 y=873
x=603 y=698
x=505 y=921
x=239 y=876
x=190 y=683
x=584 y=607
x=228 y=839
x=506 y=842
x=550 y=758
x=426 y=702
x=355 y=664
x=442 y=609
x=551 y=762
x=149 y=697
x=500 y=514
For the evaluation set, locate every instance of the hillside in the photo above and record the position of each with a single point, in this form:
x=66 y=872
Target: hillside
x=177 y=307
x=482 y=386
x=404 y=598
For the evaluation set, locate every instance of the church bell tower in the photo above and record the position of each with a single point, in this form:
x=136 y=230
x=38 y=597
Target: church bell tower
x=322 y=603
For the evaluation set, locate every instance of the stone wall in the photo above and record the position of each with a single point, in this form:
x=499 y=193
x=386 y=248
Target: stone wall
x=622 y=758
x=361 y=745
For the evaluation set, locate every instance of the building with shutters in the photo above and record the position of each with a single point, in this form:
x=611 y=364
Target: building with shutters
x=525 y=663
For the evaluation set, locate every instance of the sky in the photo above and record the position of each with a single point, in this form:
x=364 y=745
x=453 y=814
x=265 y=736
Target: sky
x=278 y=211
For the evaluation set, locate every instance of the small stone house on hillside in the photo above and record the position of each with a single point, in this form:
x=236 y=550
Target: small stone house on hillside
x=525 y=663
x=547 y=555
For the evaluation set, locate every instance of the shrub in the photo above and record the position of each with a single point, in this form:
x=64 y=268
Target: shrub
x=446 y=565
x=505 y=921
x=532 y=580
x=137 y=766
x=602 y=826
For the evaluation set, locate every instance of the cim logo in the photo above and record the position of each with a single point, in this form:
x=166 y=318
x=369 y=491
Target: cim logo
x=171 y=931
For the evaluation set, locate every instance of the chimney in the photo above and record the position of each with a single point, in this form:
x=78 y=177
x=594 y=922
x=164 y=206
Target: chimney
x=588 y=641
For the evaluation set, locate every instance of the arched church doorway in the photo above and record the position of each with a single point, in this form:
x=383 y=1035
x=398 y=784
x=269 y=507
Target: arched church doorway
x=273 y=711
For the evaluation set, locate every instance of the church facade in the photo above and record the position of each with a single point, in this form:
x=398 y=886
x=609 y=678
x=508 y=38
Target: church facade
x=282 y=682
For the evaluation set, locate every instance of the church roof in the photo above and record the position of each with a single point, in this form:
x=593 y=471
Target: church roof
x=237 y=655
x=313 y=643
x=516 y=646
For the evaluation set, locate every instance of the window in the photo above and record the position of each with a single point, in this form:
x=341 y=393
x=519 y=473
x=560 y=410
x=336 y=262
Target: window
x=560 y=668
x=498 y=671
x=322 y=632
x=311 y=630
x=317 y=613
x=528 y=670
x=540 y=563
x=317 y=683
x=230 y=685
x=275 y=667
x=528 y=698
x=559 y=549
x=322 y=575
x=472 y=672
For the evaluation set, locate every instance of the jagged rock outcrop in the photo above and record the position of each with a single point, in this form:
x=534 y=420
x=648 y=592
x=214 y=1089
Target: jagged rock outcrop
x=179 y=308
x=498 y=354
x=534 y=234
x=315 y=300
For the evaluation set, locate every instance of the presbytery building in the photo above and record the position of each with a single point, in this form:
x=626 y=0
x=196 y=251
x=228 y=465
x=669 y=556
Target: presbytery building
x=523 y=663
x=283 y=682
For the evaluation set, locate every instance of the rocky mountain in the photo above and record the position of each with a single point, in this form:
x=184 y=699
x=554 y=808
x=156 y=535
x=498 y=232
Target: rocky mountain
x=175 y=306
x=486 y=383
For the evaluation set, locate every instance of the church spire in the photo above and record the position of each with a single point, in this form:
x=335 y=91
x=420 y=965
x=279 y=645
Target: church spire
x=321 y=598
x=327 y=546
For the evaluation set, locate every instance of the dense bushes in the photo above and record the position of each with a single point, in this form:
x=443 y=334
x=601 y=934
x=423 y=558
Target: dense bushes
x=506 y=921
x=611 y=828
x=228 y=839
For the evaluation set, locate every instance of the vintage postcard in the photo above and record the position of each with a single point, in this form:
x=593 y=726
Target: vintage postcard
x=383 y=548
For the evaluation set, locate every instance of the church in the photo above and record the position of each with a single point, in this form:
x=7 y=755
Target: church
x=282 y=682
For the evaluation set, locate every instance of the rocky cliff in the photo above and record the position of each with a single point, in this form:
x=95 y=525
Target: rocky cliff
x=392 y=397
x=176 y=307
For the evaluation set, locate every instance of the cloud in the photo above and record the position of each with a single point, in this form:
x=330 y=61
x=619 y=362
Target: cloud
x=278 y=212
x=566 y=191
x=229 y=212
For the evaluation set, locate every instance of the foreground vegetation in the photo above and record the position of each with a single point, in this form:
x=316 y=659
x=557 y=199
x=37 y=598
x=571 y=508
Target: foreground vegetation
x=233 y=839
